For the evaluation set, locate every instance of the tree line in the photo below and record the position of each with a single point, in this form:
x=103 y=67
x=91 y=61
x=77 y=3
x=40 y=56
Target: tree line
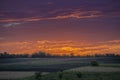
x=48 y=55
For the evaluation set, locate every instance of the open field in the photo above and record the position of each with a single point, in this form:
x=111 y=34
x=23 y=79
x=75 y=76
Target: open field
x=15 y=75
x=84 y=76
x=50 y=64
x=95 y=69
x=88 y=70
x=24 y=68
x=110 y=65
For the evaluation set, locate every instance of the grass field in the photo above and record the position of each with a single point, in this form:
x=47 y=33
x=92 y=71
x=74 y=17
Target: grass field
x=95 y=69
x=50 y=64
x=23 y=68
x=85 y=76
x=110 y=65
x=6 y=75
x=67 y=75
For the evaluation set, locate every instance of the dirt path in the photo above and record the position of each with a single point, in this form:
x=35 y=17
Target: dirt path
x=95 y=69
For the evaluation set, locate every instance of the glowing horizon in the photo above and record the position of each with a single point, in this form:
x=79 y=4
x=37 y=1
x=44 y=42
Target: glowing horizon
x=61 y=47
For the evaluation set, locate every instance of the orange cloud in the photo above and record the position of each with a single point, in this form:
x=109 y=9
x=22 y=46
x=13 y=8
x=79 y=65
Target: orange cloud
x=74 y=14
x=60 y=47
x=80 y=14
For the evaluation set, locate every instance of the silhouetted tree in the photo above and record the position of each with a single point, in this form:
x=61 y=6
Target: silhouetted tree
x=4 y=55
x=39 y=54
x=7 y=55
x=72 y=55
x=48 y=55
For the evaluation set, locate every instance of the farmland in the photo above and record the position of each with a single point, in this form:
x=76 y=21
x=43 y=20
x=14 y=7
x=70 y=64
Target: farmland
x=28 y=66
x=50 y=64
x=85 y=76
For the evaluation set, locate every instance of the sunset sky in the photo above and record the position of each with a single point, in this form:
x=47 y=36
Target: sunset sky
x=83 y=27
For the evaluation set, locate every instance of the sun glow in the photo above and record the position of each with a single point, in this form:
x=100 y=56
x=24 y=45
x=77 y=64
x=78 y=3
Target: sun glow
x=61 y=47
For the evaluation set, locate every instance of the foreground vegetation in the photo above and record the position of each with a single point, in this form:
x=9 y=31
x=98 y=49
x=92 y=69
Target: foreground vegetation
x=98 y=68
x=77 y=76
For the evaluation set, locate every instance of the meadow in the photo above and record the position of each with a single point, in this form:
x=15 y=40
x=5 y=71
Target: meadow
x=25 y=68
x=84 y=76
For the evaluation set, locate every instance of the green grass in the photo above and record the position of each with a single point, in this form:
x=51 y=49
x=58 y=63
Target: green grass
x=85 y=76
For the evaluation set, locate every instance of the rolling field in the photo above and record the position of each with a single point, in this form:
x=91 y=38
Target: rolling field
x=84 y=76
x=6 y=75
x=50 y=64
x=95 y=69
x=24 y=67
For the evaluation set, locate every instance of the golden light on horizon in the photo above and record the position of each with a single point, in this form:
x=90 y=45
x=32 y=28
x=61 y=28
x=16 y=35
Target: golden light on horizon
x=61 y=47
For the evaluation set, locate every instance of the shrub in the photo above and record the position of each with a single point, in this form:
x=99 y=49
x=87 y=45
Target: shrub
x=79 y=75
x=94 y=63
x=38 y=75
x=60 y=75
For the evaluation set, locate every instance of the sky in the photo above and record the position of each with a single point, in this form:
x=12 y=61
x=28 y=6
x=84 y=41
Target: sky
x=82 y=27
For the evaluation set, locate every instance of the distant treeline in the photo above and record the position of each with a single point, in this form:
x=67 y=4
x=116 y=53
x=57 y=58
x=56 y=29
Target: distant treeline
x=48 y=55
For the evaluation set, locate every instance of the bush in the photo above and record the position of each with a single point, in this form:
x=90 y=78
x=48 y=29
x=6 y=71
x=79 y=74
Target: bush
x=38 y=75
x=94 y=63
x=79 y=75
x=60 y=75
